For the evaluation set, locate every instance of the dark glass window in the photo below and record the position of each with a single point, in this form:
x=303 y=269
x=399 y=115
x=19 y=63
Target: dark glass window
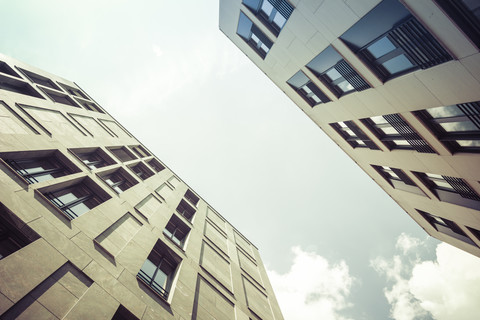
x=119 y=180
x=140 y=151
x=307 y=89
x=18 y=86
x=185 y=210
x=330 y=67
x=253 y=36
x=156 y=165
x=451 y=189
x=73 y=91
x=158 y=270
x=142 y=171
x=122 y=153
x=466 y=14
x=41 y=80
x=272 y=13
x=457 y=126
x=5 y=68
x=190 y=196
x=393 y=42
x=38 y=169
x=93 y=158
x=446 y=226
x=396 y=133
x=176 y=230
x=75 y=200
x=60 y=97
x=122 y=313
x=398 y=179
x=354 y=135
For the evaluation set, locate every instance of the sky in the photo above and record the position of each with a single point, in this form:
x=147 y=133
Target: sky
x=335 y=245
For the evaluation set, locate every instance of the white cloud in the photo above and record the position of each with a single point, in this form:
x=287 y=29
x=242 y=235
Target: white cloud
x=443 y=289
x=313 y=288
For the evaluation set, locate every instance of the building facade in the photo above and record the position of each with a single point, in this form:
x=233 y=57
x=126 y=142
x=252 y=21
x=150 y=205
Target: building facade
x=94 y=226
x=396 y=85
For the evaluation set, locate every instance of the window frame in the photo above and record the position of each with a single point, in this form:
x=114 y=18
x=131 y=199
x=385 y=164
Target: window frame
x=268 y=19
x=353 y=140
x=261 y=38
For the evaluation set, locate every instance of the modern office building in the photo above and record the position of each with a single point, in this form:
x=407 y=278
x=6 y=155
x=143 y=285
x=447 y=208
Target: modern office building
x=94 y=226
x=395 y=83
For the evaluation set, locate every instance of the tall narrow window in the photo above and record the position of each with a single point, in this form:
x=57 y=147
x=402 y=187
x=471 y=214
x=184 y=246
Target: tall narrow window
x=77 y=199
x=307 y=89
x=156 y=165
x=142 y=171
x=192 y=197
x=354 y=135
x=398 y=179
x=119 y=180
x=185 y=210
x=393 y=42
x=451 y=189
x=446 y=226
x=140 y=151
x=253 y=36
x=272 y=13
x=330 y=67
x=396 y=133
x=38 y=169
x=158 y=270
x=176 y=230
x=457 y=126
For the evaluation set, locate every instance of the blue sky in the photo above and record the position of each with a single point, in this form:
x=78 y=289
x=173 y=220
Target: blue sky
x=336 y=246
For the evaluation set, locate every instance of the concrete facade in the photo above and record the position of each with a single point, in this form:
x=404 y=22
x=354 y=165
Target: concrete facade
x=379 y=118
x=94 y=226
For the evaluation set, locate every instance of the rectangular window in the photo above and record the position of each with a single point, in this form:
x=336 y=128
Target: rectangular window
x=156 y=165
x=393 y=42
x=398 y=179
x=307 y=89
x=5 y=68
x=159 y=269
x=190 y=196
x=119 y=180
x=78 y=199
x=466 y=14
x=272 y=13
x=456 y=126
x=177 y=231
x=354 y=135
x=396 y=133
x=253 y=36
x=185 y=210
x=122 y=153
x=60 y=97
x=93 y=158
x=18 y=86
x=122 y=313
x=140 y=151
x=142 y=171
x=447 y=227
x=73 y=91
x=451 y=189
x=330 y=67
x=38 y=166
x=41 y=80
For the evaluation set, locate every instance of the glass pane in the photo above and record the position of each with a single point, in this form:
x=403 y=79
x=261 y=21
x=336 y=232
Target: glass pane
x=389 y=131
x=445 y=112
x=333 y=74
x=264 y=47
x=79 y=209
x=266 y=8
x=378 y=120
x=360 y=142
x=306 y=89
x=458 y=126
x=342 y=124
x=469 y=143
x=149 y=268
x=279 y=20
x=398 y=64
x=316 y=99
x=443 y=184
x=401 y=142
x=345 y=86
x=43 y=177
x=66 y=197
x=349 y=132
x=381 y=47
x=161 y=279
x=433 y=175
x=255 y=38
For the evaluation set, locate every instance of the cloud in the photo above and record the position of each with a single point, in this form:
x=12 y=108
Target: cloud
x=443 y=289
x=313 y=288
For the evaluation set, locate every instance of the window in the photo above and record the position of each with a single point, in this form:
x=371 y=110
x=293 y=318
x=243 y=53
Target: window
x=159 y=269
x=391 y=41
x=307 y=89
x=336 y=73
x=140 y=151
x=446 y=226
x=398 y=179
x=457 y=126
x=142 y=171
x=11 y=239
x=396 y=133
x=59 y=97
x=18 y=86
x=272 y=13
x=41 y=80
x=78 y=199
x=122 y=313
x=354 y=135
x=451 y=189
x=93 y=158
x=466 y=14
x=119 y=180
x=156 y=165
x=40 y=168
x=186 y=210
x=177 y=231
x=122 y=153
x=253 y=36
x=5 y=68
x=190 y=196
x=73 y=91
